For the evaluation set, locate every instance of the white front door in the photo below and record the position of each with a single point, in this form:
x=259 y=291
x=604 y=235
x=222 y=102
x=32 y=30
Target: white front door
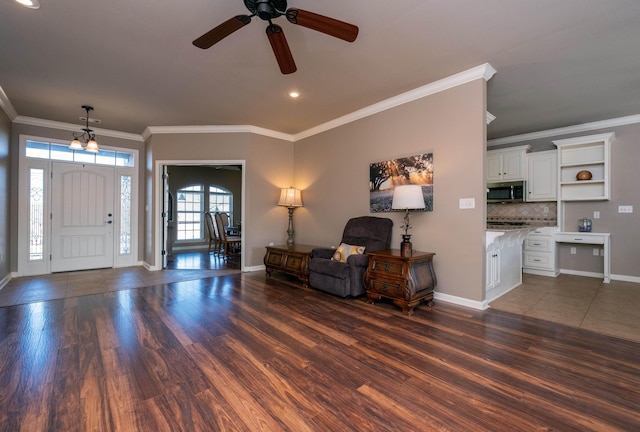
x=82 y=215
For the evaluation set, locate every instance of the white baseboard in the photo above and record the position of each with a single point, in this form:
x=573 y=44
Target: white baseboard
x=149 y=267
x=5 y=280
x=582 y=273
x=254 y=268
x=624 y=278
x=541 y=272
x=461 y=301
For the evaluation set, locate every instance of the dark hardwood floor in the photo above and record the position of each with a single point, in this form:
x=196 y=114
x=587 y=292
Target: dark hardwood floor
x=245 y=353
x=201 y=260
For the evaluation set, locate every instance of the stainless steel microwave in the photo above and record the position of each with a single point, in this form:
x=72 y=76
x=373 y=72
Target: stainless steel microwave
x=504 y=192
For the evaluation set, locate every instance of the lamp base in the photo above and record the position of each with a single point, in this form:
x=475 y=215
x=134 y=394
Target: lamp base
x=405 y=246
x=290 y=231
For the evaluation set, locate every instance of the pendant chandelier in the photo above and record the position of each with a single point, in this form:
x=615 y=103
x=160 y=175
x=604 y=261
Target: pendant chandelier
x=90 y=144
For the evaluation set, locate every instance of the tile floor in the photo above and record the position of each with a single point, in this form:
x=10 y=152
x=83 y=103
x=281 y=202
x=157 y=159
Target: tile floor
x=612 y=309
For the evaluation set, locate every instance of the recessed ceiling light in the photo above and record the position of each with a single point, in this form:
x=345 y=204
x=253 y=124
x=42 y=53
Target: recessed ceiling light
x=294 y=94
x=32 y=4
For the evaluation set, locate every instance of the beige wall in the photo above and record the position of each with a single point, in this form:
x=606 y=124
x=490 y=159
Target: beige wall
x=332 y=169
x=268 y=167
x=5 y=173
x=19 y=129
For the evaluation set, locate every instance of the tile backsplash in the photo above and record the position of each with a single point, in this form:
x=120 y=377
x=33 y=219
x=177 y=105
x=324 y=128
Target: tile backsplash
x=541 y=212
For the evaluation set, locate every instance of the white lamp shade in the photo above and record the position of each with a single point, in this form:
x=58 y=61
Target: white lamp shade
x=290 y=197
x=407 y=197
x=75 y=144
x=92 y=146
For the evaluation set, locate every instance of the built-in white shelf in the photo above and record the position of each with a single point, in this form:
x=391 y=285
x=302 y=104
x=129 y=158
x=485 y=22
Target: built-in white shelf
x=588 y=153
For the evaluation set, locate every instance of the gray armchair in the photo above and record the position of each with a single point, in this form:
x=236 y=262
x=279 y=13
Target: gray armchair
x=345 y=278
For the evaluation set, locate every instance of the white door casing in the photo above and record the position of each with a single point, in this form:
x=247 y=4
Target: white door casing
x=82 y=213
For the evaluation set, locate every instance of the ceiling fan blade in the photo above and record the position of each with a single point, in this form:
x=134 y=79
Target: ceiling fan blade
x=220 y=32
x=321 y=23
x=281 y=49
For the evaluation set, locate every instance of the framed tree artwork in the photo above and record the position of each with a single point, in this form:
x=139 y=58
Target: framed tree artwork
x=386 y=175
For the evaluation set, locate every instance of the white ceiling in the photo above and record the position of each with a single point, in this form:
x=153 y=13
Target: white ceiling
x=559 y=63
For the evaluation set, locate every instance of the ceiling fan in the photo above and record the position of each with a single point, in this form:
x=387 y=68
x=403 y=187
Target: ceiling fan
x=270 y=9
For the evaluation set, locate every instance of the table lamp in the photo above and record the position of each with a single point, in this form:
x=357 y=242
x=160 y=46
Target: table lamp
x=407 y=197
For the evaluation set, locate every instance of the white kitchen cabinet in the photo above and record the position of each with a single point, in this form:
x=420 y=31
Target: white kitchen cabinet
x=503 y=261
x=506 y=164
x=589 y=153
x=493 y=269
x=539 y=252
x=542 y=176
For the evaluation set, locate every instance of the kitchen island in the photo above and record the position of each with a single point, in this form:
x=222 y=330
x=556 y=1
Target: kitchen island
x=504 y=259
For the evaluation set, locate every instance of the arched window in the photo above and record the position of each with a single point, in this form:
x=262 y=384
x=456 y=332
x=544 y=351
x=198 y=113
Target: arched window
x=221 y=200
x=189 y=211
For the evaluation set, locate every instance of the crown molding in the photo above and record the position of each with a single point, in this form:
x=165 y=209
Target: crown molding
x=5 y=103
x=579 y=128
x=484 y=71
x=151 y=130
x=32 y=121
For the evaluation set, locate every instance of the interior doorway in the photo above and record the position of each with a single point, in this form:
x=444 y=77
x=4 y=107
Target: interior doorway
x=180 y=236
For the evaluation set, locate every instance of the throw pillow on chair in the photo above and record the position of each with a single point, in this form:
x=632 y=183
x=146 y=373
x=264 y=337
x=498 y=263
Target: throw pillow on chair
x=344 y=250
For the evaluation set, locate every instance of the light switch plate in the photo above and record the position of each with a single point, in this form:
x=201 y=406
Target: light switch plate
x=467 y=203
x=625 y=209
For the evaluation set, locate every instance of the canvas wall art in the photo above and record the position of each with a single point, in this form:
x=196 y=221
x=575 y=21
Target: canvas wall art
x=385 y=175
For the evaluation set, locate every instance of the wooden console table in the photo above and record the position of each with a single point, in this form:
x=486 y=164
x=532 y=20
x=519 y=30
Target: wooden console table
x=293 y=260
x=405 y=280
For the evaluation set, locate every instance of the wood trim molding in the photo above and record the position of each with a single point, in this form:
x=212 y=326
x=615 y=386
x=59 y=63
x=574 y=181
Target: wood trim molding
x=579 y=128
x=485 y=71
x=6 y=106
x=32 y=121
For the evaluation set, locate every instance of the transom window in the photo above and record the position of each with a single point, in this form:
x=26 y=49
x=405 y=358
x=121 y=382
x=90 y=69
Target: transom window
x=62 y=152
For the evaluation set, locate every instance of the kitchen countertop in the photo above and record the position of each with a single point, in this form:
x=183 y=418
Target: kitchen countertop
x=494 y=225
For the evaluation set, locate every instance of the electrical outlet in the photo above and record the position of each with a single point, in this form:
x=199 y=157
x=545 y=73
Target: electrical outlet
x=596 y=215
x=545 y=209
x=625 y=209
x=270 y=243
x=573 y=251
x=596 y=252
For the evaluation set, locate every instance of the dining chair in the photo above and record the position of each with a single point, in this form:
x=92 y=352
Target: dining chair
x=214 y=238
x=230 y=245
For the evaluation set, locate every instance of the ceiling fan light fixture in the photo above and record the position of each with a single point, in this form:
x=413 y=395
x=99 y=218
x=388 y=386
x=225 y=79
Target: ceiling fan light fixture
x=31 y=4
x=268 y=10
